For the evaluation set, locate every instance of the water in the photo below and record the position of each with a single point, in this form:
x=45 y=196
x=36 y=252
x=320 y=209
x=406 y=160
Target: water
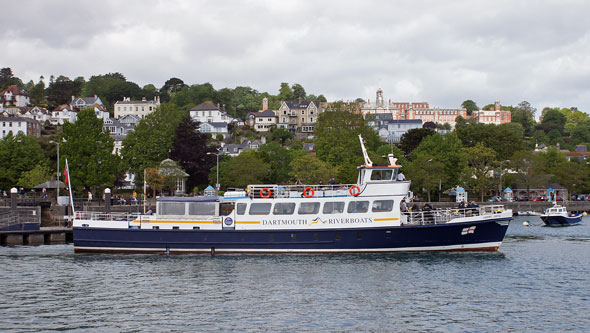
x=538 y=281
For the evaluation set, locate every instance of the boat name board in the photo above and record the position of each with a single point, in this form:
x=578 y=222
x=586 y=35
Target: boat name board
x=317 y=220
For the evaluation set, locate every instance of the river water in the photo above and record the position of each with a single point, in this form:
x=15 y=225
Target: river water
x=538 y=281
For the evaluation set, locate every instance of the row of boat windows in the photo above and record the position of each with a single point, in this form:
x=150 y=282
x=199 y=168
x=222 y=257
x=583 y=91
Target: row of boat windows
x=279 y=208
x=334 y=207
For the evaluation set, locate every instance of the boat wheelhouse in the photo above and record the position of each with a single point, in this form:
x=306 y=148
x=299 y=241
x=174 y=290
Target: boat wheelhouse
x=367 y=216
x=557 y=216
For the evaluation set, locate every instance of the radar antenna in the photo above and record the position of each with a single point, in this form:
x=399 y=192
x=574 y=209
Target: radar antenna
x=368 y=161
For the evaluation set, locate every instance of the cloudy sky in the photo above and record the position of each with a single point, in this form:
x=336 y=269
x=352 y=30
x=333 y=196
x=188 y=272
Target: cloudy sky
x=441 y=52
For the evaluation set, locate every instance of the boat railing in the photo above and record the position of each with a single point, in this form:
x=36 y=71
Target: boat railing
x=98 y=216
x=300 y=191
x=445 y=215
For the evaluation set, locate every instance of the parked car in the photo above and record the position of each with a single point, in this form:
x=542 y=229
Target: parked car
x=495 y=198
x=522 y=198
x=538 y=198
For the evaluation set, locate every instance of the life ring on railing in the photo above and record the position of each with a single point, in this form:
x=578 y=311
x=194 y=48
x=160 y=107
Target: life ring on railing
x=262 y=195
x=306 y=192
x=354 y=190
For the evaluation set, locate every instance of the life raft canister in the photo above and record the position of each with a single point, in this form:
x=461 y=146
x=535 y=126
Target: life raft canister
x=308 y=192
x=354 y=190
x=267 y=195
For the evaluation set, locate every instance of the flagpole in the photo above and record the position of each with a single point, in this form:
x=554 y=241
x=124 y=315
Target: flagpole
x=70 y=188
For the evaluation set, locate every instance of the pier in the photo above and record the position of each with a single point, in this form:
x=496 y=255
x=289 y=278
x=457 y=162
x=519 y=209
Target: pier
x=45 y=235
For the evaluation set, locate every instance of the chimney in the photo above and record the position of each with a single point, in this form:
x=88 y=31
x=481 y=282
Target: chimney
x=95 y=97
x=264 y=104
x=143 y=99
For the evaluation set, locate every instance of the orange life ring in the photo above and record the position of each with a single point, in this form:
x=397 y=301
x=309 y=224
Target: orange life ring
x=267 y=193
x=306 y=191
x=355 y=192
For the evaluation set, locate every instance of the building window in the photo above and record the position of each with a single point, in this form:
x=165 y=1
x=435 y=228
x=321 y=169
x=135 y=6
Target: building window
x=302 y=112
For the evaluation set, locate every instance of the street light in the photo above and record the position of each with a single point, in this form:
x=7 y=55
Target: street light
x=57 y=183
x=216 y=155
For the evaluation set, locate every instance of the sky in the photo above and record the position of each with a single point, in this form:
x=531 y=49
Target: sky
x=440 y=52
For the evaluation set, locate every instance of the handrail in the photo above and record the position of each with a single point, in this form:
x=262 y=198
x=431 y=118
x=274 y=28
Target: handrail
x=295 y=191
x=441 y=216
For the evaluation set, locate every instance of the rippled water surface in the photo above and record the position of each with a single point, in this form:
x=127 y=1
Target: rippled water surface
x=539 y=280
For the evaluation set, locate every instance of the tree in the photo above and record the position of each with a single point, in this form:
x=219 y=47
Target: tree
x=279 y=159
x=61 y=91
x=505 y=139
x=190 y=148
x=89 y=152
x=298 y=91
x=7 y=78
x=527 y=108
x=553 y=120
x=38 y=175
x=337 y=141
x=446 y=148
x=571 y=175
x=530 y=169
x=152 y=139
x=112 y=87
x=18 y=154
x=481 y=162
x=172 y=85
x=310 y=170
x=470 y=106
x=242 y=170
x=285 y=92
x=429 y=125
x=280 y=135
x=412 y=139
x=426 y=173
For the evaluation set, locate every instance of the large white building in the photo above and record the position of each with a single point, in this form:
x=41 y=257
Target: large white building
x=16 y=125
x=14 y=96
x=139 y=108
x=209 y=112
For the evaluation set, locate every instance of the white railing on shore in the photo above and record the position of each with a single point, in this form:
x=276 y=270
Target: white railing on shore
x=441 y=216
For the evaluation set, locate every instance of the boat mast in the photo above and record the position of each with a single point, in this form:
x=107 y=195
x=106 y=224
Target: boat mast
x=368 y=161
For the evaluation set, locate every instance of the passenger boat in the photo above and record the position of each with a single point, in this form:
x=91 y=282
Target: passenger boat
x=557 y=216
x=353 y=218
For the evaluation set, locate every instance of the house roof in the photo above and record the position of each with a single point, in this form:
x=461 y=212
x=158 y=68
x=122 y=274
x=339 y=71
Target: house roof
x=87 y=100
x=406 y=121
x=299 y=105
x=14 y=90
x=29 y=120
x=265 y=113
x=206 y=106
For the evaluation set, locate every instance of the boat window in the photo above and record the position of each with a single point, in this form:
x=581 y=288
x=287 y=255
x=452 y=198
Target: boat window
x=171 y=208
x=333 y=208
x=260 y=208
x=358 y=207
x=309 y=208
x=381 y=174
x=241 y=208
x=225 y=208
x=284 y=208
x=201 y=208
x=382 y=205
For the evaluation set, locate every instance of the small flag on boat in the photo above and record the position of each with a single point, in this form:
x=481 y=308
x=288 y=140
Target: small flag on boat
x=469 y=230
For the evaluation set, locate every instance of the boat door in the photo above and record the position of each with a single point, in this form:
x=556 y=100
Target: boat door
x=227 y=215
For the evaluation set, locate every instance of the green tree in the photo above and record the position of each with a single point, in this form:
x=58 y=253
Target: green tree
x=61 y=91
x=279 y=159
x=285 y=92
x=446 y=148
x=280 y=135
x=412 y=138
x=152 y=139
x=337 y=141
x=112 y=87
x=242 y=170
x=530 y=168
x=89 y=152
x=470 y=106
x=310 y=170
x=481 y=163
x=426 y=173
x=7 y=78
x=38 y=175
x=18 y=154
x=298 y=91
x=571 y=175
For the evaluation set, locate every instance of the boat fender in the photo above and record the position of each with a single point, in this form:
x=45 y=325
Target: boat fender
x=308 y=192
x=525 y=223
x=262 y=193
x=354 y=190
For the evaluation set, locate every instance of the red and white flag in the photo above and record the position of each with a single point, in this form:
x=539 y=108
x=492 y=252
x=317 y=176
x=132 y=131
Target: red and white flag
x=469 y=230
x=67 y=174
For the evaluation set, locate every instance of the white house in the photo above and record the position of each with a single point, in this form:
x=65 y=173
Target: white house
x=214 y=128
x=14 y=96
x=261 y=121
x=17 y=125
x=61 y=114
x=139 y=108
x=208 y=112
x=36 y=113
x=80 y=103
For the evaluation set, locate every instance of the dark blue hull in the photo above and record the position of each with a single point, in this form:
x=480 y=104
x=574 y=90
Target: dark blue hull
x=561 y=221
x=483 y=235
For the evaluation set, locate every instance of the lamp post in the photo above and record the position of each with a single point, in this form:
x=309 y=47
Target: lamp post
x=217 y=168
x=57 y=183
